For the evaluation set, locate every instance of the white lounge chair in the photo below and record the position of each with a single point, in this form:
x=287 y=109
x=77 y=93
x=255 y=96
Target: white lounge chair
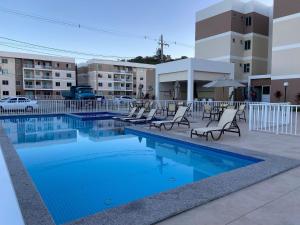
x=148 y=119
x=179 y=118
x=227 y=123
x=241 y=113
x=138 y=116
x=130 y=114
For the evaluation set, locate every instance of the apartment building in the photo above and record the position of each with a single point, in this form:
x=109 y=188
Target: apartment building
x=285 y=79
x=35 y=75
x=238 y=32
x=116 y=78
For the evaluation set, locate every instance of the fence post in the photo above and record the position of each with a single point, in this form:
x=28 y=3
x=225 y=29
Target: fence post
x=250 y=117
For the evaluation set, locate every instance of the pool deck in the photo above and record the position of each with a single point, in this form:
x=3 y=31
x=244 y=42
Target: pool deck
x=275 y=201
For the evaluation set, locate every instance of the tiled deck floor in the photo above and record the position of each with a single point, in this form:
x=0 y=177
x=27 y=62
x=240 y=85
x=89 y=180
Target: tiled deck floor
x=275 y=201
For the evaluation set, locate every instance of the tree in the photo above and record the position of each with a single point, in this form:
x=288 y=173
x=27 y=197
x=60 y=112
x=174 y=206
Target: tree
x=153 y=60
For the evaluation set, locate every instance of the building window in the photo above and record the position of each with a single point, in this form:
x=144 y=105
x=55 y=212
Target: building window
x=57 y=74
x=57 y=65
x=134 y=78
x=248 y=45
x=57 y=93
x=134 y=86
x=4 y=61
x=141 y=78
x=5 y=82
x=109 y=84
x=248 y=21
x=18 y=92
x=233 y=40
x=99 y=75
x=67 y=66
x=69 y=84
x=69 y=75
x=38 y=83
x=57 y=84
x=247 y=68
x=18 y=83
x=5 y=92
x=4 y=71
x=109 y=75
x=100 y=84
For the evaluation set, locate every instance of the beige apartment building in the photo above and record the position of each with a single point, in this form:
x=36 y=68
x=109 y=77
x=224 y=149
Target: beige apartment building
x=286 y=51
x=235 y=31
x=117 y=78
x=31 y=75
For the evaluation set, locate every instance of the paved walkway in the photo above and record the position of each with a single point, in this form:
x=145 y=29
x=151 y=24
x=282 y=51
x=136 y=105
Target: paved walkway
x=275 y=201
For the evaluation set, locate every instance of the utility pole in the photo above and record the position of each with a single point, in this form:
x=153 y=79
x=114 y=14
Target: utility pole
x=162 y=44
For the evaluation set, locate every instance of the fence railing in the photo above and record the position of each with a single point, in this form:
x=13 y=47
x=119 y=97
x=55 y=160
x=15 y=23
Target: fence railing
x=47 y=106
x=61 y=107
x=275 y=118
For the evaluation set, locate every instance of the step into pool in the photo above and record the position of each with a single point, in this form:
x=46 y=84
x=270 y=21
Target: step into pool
x=84 y=167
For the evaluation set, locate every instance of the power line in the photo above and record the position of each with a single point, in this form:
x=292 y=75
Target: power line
x=27 y=44
x=86 y=27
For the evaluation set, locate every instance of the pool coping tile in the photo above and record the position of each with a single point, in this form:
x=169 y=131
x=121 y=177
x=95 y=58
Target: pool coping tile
x=156 y=208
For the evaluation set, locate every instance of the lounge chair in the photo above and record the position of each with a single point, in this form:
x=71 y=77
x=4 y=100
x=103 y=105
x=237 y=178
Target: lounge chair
x=138 y=116
x=130 y=114
x=241 y=113
x=179 y=119
x=149 y=118
x=171 y=109
x=227 y=123
x=210 y=112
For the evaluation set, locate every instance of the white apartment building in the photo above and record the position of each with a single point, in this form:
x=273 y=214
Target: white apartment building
x=35 y=75
x=116 y=78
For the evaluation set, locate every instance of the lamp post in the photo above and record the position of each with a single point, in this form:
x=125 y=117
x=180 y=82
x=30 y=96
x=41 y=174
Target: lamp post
x=285 y=84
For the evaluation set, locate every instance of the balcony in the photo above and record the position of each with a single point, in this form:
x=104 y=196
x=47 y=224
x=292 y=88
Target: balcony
x=28 y=76
x=43 y=67
x=39 y=87
x=119 y=80
x=123 y=72
x=118 y=88
x=27 y=65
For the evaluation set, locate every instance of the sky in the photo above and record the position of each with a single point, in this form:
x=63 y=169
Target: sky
x=175 y=19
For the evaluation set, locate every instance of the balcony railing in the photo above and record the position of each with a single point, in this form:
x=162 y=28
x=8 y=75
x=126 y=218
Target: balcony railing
x=120 y=88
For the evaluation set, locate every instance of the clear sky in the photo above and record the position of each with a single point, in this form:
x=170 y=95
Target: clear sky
x=173 y=18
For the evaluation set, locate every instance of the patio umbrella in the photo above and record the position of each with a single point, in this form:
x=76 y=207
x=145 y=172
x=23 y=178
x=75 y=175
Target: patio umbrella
x=177 y=90
x=223 y=84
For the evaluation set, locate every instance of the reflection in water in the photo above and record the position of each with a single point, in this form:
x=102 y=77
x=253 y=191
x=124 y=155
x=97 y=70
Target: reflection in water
x=60 y=129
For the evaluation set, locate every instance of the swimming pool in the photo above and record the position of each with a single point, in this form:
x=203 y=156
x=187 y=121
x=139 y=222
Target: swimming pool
x=84 y=167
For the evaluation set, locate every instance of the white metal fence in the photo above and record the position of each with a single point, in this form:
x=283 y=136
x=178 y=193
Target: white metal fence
x=275 y=118
x=81 y=106
x=64 y=106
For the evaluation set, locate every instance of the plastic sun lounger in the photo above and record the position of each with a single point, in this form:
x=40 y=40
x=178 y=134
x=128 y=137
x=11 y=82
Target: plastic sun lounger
x=130 y=114
x=138 y=116
x=179 y=118
x=227 y=123
x=149 y=117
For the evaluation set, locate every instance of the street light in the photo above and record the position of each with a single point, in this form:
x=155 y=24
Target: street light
x=285 y=84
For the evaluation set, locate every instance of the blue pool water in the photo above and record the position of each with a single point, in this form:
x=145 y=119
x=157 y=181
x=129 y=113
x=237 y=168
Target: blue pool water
x=84 y=167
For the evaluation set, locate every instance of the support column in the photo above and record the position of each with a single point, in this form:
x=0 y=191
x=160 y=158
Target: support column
x=190 y=84
x=157 y=86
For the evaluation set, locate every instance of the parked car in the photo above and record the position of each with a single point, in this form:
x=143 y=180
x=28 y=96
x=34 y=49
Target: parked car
x=123 y=99
x=18 y=103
